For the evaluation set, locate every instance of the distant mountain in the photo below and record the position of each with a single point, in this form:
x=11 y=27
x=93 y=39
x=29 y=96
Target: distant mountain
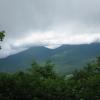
x=67 y=57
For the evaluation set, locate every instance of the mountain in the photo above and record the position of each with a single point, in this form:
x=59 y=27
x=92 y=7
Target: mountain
x=67 y=57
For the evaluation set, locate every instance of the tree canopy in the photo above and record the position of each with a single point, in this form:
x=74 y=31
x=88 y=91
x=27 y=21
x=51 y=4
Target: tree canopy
x=40 y=82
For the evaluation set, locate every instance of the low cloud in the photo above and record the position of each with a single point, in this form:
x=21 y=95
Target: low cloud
x=49 y=39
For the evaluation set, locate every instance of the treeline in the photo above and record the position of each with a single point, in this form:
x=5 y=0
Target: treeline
x=40 y=82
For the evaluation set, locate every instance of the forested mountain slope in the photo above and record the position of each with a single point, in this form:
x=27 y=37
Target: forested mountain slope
x=67 y=57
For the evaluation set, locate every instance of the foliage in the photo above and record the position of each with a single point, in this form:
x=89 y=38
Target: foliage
x=2 y=35
x=40 y=82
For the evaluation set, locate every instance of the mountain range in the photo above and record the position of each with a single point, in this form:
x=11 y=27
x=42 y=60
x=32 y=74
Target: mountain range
x=67 y=58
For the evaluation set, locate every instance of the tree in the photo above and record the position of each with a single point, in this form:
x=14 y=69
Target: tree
x=2 y=35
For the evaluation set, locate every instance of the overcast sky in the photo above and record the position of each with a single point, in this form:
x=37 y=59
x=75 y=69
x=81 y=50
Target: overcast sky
x=48 y=22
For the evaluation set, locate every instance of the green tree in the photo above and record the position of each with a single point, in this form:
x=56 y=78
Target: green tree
x=2 y=35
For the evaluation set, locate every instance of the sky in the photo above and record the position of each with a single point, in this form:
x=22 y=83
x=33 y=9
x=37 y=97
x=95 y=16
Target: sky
x=50 y=23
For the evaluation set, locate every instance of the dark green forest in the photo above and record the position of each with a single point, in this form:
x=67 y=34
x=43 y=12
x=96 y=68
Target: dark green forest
x=41 y=82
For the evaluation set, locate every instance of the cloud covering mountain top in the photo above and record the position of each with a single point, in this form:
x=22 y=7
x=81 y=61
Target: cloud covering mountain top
x=48 y=22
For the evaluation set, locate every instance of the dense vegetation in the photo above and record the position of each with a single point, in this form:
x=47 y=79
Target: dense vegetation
x=40 y=82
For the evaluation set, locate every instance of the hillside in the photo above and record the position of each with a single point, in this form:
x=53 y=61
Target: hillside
x=68 y=57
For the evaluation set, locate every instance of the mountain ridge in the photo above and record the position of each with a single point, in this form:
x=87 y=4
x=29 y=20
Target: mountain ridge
x=66 y=57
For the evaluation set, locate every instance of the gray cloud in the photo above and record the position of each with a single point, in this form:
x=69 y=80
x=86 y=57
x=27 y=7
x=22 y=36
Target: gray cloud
x=22 y=18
